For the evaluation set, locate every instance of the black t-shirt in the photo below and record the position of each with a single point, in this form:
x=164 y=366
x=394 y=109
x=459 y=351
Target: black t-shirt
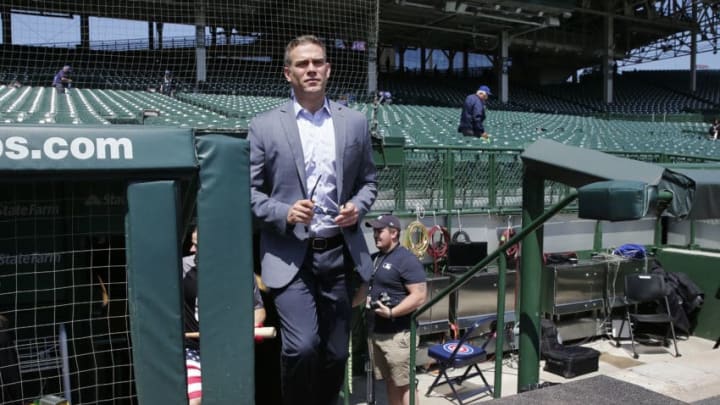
x=391 y=272
x=190 y=319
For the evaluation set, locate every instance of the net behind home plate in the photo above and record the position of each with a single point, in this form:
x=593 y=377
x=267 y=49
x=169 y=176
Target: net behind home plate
x=232 y=47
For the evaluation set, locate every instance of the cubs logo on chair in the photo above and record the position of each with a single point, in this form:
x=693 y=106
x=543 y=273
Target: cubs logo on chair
x=458 y=353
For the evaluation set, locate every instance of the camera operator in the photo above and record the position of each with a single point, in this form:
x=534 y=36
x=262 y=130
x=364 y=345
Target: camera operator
x=397 y=288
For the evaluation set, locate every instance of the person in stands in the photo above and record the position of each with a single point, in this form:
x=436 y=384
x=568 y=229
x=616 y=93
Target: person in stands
x=472 y=118
x=62 y=79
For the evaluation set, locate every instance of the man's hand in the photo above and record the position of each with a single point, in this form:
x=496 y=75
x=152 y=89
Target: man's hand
x=383 y=310
x=301 y=212
x=348 y=215
x=485 y=135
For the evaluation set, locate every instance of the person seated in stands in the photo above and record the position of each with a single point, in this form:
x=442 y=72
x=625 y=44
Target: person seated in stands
x=167 y=87
x=62 y=79
x=714 y=130
x=15 y=84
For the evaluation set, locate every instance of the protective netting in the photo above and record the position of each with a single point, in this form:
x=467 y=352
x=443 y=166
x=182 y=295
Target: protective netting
x=462 y=179
x=219 y=46
x=63 y=293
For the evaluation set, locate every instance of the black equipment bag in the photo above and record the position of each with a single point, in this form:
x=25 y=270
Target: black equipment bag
x=571 y=361
x=685 y=298
x=559 y=258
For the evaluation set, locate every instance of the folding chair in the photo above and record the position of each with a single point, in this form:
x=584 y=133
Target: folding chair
x=643 y=288
x=459 y=353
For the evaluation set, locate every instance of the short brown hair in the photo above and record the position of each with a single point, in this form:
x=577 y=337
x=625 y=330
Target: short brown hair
x=302 y=39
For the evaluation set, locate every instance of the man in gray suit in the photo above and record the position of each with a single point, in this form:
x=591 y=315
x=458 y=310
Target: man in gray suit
x=313 y=181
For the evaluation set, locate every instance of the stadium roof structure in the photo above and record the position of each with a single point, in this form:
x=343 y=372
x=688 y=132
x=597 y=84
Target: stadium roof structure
x=544 y=41
x=642 y=30
x=238 y=15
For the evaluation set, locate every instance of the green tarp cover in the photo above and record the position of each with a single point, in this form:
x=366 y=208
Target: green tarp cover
x=577 y=167
x=696 y=192
x=615 y=200
x=706 y=199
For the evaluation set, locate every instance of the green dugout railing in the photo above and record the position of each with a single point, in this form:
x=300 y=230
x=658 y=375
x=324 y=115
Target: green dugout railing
x=500 y=322
x=631 y=200
x=451 y=178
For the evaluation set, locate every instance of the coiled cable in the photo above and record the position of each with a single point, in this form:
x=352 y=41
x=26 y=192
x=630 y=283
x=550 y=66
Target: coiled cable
x=461 y=236
x=418 y=246
x=438 y=249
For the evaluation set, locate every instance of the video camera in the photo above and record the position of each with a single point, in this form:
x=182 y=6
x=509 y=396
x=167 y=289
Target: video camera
x=384 y=299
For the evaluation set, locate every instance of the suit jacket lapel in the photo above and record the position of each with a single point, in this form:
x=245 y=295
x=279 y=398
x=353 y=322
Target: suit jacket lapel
x=289 y=123
x=338 y=117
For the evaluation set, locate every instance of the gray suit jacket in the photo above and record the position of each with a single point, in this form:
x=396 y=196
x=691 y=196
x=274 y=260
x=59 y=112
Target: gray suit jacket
x=277 y=172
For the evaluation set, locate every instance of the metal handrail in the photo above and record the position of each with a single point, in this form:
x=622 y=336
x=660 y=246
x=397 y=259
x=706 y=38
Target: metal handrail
x=534 y=225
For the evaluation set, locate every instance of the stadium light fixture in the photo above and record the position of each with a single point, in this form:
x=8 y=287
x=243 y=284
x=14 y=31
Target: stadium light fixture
x=409 y=3
x=517 y=20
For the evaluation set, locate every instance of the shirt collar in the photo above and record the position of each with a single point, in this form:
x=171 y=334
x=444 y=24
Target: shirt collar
x=299 y=109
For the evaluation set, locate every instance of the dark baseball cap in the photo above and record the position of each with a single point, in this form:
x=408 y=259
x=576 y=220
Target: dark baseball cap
x=485 y=89
x=384 y=221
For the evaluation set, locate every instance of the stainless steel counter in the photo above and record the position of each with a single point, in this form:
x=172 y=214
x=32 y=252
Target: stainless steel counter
x=596 y=284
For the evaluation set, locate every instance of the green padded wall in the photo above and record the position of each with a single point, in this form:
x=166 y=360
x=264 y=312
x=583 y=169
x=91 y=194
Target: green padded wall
x=154 y=274
x=225 y=270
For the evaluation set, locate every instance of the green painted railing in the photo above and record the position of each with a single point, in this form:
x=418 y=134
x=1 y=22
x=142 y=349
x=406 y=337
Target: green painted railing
x=451 y=178
x=455 y=285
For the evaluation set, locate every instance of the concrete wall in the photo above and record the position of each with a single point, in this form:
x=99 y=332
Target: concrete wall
x=707 y=233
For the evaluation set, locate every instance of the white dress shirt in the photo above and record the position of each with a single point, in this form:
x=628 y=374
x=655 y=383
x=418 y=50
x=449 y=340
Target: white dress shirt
x=317 y=136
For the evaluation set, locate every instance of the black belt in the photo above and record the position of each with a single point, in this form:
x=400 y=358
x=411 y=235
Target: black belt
x=326 y=243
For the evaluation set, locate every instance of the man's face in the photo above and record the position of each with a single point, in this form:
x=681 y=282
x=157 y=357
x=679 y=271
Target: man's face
x=193 y=240
x=194 y=245
x=384 y=238
x=308 y=70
